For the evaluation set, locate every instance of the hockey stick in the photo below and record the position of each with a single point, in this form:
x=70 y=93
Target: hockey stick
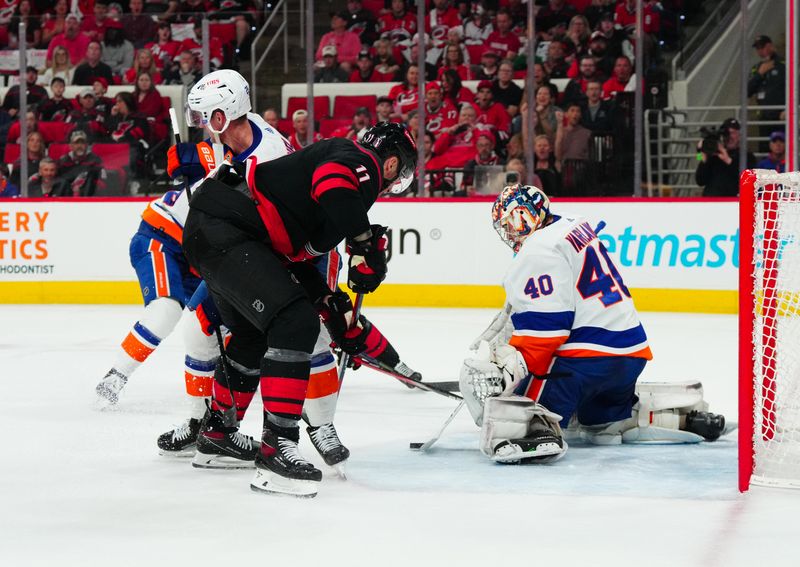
x=429 y=443
x=428 y=387
x=229 y=417
x=346 y=357
x=173 y=118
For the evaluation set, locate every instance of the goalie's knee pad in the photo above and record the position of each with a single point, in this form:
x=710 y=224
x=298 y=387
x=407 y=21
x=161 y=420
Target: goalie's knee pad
x=516 y=429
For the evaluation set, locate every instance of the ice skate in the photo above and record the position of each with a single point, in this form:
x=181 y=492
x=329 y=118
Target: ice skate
x=181 y=441
x=221 y=447
x=281 y=469
x=534 y=449
x=109 y=388
x=327 y=443
x=706 y=424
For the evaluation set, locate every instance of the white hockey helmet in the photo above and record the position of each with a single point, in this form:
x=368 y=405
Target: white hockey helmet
x=224 y=90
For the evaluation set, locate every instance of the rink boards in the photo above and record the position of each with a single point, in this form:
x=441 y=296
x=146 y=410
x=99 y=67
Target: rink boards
x=674 y=254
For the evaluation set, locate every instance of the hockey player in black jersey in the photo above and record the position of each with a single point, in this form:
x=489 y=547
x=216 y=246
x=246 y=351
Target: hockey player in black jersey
x=251 y=239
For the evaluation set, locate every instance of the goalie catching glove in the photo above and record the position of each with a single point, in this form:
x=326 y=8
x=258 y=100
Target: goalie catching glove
x=367 y=265
x=337 y=312
x=481 y=379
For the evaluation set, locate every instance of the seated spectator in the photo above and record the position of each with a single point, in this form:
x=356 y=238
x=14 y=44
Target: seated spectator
x=597 y=114
x=361 y=22
x=387 y=67
x=776 y=159
x=142 y=63
x=545 y=166
x=56 y=108
x=455 y=145
x=59 y=67
x=94 y=25
x=347 y=43
x=299 y=138
x=546 y=121
x=488 y=68
x=88 y=117
x=117 y=52
x=478 y=27
x=718 y=172
x=577 y=36
x=399 y=24
x=31 y=122
x=216 y=51
x=192 y=9
x=503 y=40
x=598 y=48
x=413 y=57
x=55 y=23
x=362 y=120
x=515 y=148
x=36 y=93
x=572 y=139
x=556 y=64
x=623 y=71
x=557 y=14
x=453 y=59
x=139 y=27
x=439 y=114
x=186 y=73
x=575 y=90
x=81 y=169
x=331 y=71
x=413 y=126
x=35 y=152
x=72 y=38
x=33 y=28
x=242 y=41
x=453 y=91
x=125 y=125
x=365 y=70
x=92 y=67
x=102 y=103
x=618 y=42
x=164 y=49
x=516 y=172
x=484 y=155
x=164 y=9
x=505 y=90
x=439 y=20
x=7 y=188
x=384 y=109
x=540 y=76
x=625 y=19
x=492 y=115
x=406 y=94
x=147 y=99
x=272 y=118
x=46 y=183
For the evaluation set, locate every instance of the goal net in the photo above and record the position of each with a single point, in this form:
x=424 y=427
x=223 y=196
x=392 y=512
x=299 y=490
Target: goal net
x=769 y=329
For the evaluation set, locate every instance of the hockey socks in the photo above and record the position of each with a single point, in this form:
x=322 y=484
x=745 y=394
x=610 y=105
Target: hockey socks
x=284 y=384
x=243 y=384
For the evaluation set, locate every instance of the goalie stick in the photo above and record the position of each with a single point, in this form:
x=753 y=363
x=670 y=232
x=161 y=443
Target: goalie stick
x=429 y=443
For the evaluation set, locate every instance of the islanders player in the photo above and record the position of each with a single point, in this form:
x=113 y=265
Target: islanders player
x=569 y=344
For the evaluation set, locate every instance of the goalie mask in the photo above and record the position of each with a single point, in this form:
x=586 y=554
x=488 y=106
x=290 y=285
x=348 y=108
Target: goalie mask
x=518 y=211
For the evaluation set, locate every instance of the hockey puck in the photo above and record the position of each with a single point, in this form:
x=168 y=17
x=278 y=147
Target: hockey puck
x=415 y=445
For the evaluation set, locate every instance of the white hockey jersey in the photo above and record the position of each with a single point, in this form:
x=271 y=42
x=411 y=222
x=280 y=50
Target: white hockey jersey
x=568 y=299
x=168 y=212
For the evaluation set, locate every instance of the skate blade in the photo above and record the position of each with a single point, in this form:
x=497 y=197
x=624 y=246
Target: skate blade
x=104 y=404
x=201 y=461
x=544 y=450
x=267 y=482
x=339 y=468
x=187 y=453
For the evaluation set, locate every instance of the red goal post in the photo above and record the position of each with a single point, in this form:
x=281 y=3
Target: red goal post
x=769 y=329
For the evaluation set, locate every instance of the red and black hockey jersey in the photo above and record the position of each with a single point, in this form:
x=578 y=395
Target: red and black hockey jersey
x=310 y=200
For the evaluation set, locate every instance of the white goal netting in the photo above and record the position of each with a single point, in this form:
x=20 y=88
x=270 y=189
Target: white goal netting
x=775 y=269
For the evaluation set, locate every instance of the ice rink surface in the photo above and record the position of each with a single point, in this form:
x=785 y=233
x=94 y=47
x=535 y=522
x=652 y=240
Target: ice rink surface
x=84 y=487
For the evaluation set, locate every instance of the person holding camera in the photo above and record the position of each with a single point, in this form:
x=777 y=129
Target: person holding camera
x=718 y=154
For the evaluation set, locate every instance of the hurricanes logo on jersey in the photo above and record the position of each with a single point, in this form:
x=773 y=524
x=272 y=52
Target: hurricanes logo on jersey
x=258 y=305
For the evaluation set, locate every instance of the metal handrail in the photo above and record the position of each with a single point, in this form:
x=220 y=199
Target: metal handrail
x=721 y=17
x=282 y=29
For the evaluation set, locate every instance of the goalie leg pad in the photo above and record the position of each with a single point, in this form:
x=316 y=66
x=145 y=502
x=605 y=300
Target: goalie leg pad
x=515 y=429
x=660 y=427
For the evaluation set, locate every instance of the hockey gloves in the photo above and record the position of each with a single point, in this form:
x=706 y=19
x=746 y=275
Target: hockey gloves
x=367 y=266
x=186 y=159
x=337 y=311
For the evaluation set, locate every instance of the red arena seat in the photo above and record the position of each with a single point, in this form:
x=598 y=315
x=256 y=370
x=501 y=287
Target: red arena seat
x=344 y=106
x=322 y=106
x=326 y=127
x=11 y=153
x=55 y=151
